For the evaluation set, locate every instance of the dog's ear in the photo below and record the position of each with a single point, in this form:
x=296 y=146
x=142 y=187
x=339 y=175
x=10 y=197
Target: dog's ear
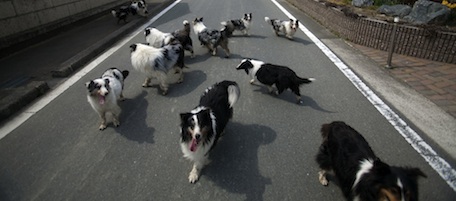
x=414 y=172
x=133 y=47
x=381 y=167
x=297 y=23
x=106 y=82
x=125 y=73
x=185 y=116
x=90 y=84
x=201 y=19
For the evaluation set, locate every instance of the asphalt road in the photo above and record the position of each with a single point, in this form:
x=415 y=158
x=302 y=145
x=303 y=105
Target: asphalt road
x=268 y=150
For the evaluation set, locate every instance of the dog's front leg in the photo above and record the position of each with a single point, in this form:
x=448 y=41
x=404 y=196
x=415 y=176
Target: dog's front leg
x=103 y=121
x=322 y=178
x=194 y=174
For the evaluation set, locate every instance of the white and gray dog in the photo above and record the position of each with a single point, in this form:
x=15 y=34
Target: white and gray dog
x=157 y=38
x=105 y=92
x=158 y=62
x=242 y=25
x=282 y=26
x=211 y=38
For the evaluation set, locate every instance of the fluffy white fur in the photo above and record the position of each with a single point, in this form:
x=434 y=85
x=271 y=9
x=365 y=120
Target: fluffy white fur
x=156 y=38
x=155 y=64
x=104 y=94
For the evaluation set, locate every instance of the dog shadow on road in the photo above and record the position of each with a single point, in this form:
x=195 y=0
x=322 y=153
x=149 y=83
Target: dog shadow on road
x=234 y=165
x=133 y=120
x=290 y=97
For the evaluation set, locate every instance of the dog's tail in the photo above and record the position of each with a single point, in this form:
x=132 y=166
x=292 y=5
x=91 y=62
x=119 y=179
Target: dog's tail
x=233 y=92
x=300 y=80
x=267 y=19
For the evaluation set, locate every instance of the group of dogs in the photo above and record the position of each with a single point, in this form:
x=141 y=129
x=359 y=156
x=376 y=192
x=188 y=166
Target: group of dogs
x=361 y=175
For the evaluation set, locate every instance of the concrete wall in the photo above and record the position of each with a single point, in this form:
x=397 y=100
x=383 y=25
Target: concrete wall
x=23 y=19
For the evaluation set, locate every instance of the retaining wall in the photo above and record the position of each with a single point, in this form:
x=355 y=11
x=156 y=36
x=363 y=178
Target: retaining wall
x=21 y=20
x=412 y=41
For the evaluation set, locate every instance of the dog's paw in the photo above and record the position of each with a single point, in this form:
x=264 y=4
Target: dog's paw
x=102 y=127
x=193 y=177
x=322 y=178
x=116 y=123
x=252 y=81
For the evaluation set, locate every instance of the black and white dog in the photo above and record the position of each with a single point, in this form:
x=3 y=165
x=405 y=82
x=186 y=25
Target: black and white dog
x=242 y=25
x=202 y=127
x=361 y=174
x=183 y=36
x=134 y=8
x=158 y=62
x=121 y=14
x=281 y=26
x=211 y=38
x=104 y=94
x=270 y=74
x=157 y=38
x=139 y=8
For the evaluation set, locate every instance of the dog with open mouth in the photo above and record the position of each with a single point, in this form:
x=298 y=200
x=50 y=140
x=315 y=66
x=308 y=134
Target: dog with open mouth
x=202 y=127
x=104 y=94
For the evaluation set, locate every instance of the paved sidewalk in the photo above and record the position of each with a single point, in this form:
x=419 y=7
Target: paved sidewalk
x=434 y=80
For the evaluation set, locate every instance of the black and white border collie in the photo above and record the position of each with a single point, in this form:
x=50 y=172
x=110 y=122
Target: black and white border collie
x=104 y=94
x=157 y=38
x=242 y=25
x=281 y=26
x=158 y=62
x=361 y=174
x=211 y=38
x=270 y=74
x=202 y=127
x=183 y=36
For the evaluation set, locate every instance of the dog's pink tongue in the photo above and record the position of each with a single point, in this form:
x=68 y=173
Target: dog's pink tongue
x=101 y=99
x=193 y=145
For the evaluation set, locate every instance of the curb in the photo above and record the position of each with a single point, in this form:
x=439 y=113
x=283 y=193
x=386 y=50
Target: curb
x=17 y=98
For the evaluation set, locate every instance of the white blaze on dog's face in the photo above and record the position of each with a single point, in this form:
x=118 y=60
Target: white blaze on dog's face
x=294 y=24
x=198 y=126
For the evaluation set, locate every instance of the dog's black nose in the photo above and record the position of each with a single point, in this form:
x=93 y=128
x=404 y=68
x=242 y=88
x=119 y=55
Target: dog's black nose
x=197 y=136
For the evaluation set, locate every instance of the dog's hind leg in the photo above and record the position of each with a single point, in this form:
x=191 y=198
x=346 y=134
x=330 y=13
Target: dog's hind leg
x=324 y=163
x=181 y=75
x=115 y=116
x=224 y=45
x=146 y=82
x=295 y=90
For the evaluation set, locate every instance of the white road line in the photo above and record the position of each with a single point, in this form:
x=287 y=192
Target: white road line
x=442 y=167
x=51 y=95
